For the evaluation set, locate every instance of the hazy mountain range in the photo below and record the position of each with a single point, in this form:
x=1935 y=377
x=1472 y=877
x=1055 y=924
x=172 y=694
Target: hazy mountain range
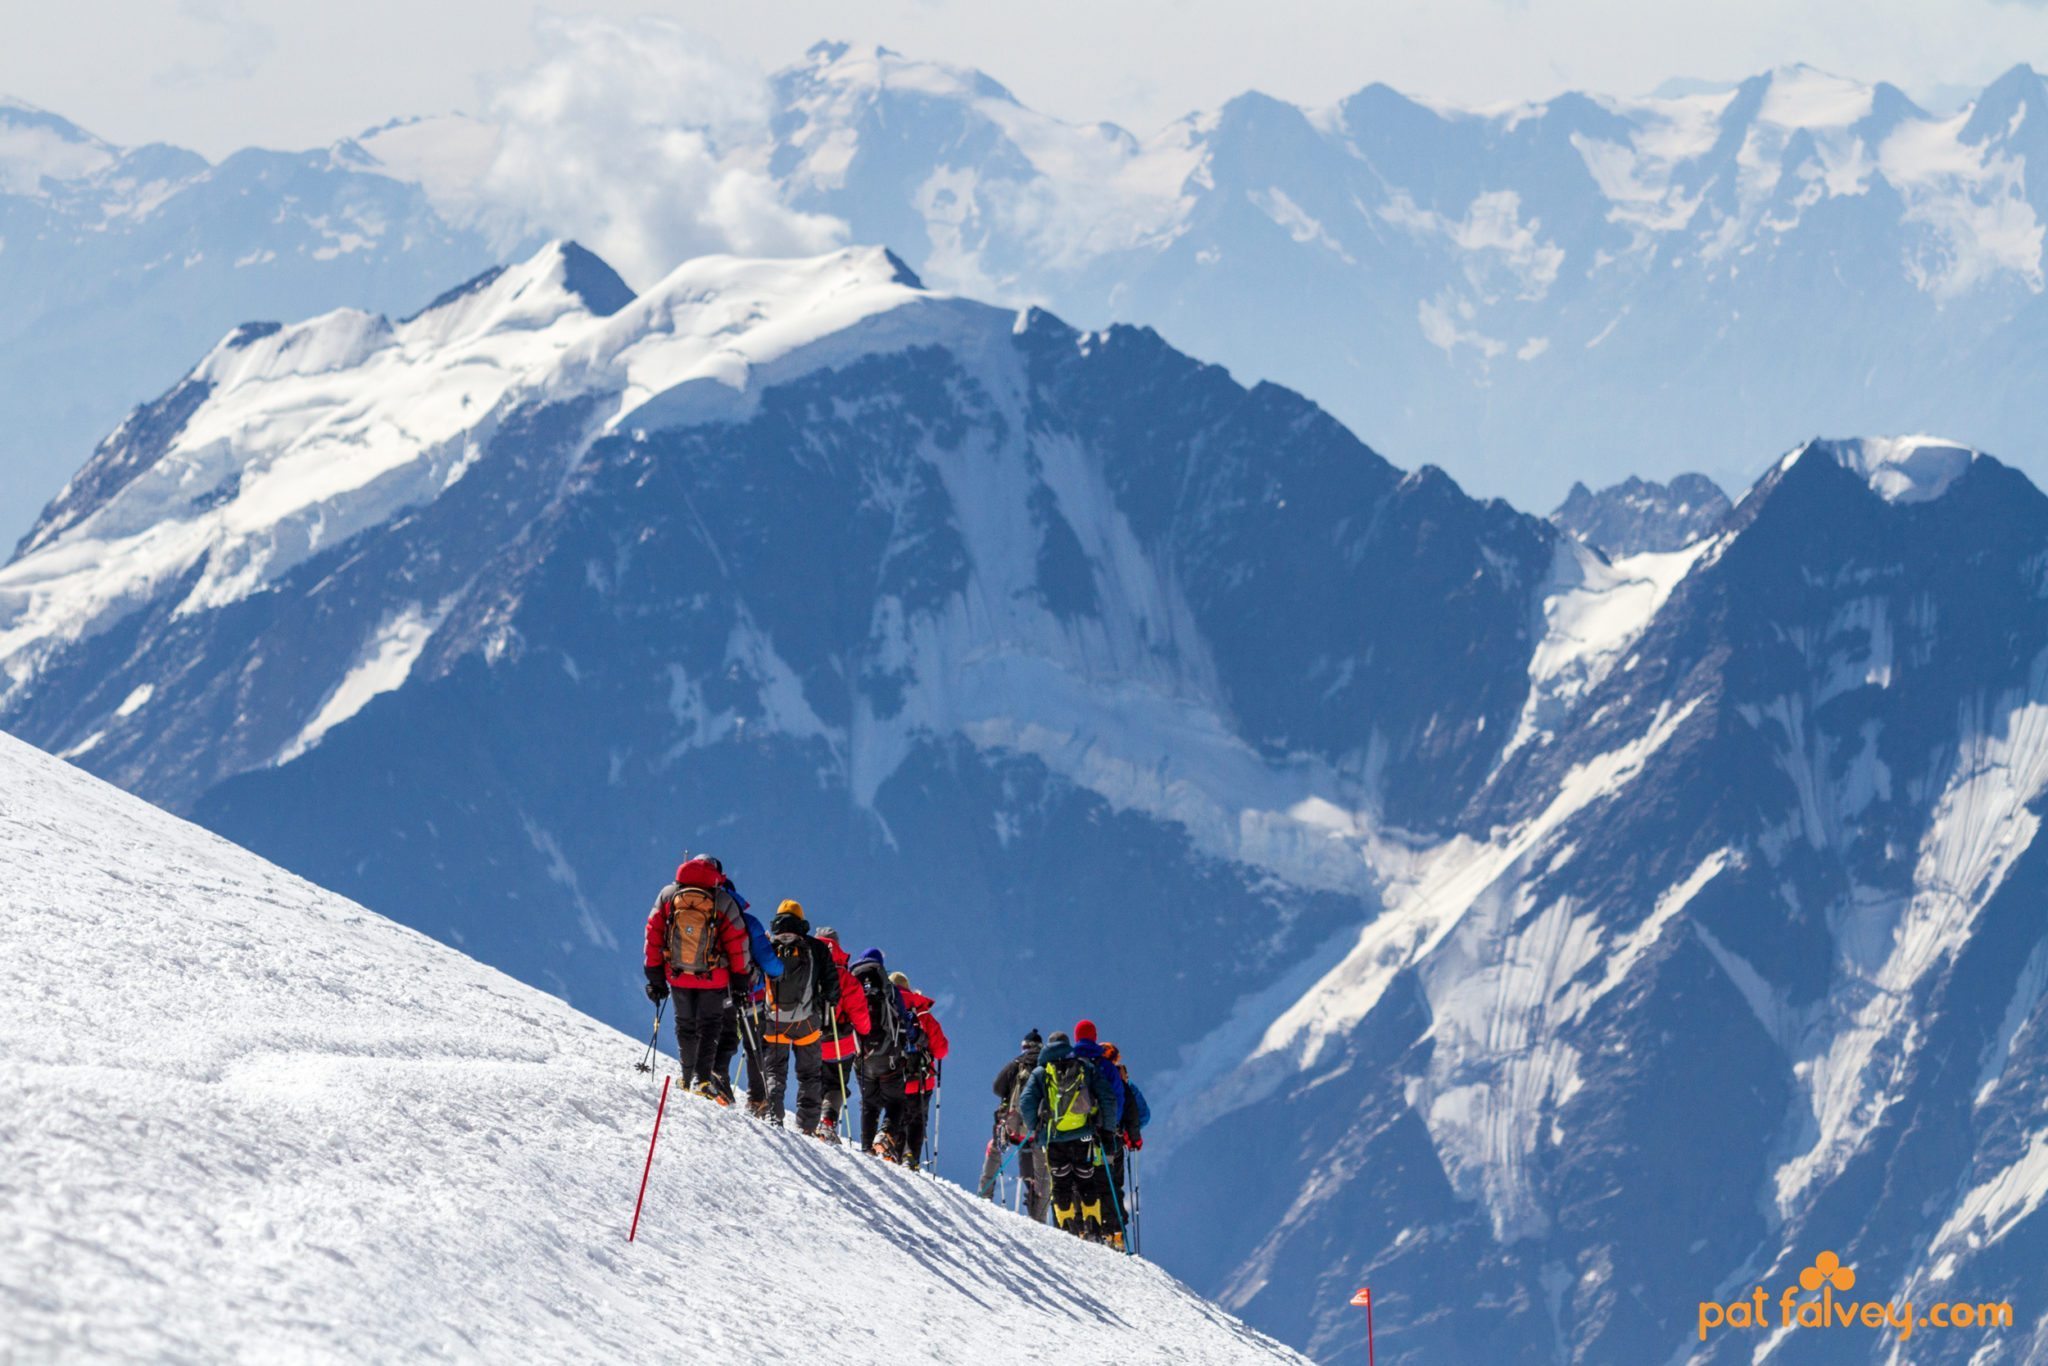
x=1586 y=288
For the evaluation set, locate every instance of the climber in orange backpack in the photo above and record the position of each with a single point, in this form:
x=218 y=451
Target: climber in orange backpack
x=695 y=946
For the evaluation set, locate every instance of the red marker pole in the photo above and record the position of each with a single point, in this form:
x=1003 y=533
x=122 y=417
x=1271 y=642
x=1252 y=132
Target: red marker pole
x=1363 y=1299
x=632 y=1232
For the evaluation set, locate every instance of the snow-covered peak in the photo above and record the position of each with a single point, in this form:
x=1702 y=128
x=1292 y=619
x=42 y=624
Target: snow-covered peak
x=1899 y=469
x=560 y=279
x=1801 y=96
x=875 y=69
x=287 y=440
x=364 y=1146
x=720 y=317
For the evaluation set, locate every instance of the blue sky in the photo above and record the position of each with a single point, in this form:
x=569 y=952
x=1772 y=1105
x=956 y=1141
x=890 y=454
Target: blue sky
x=219 y=74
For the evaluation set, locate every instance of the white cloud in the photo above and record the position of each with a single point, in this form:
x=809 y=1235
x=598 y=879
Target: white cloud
x=639 y=141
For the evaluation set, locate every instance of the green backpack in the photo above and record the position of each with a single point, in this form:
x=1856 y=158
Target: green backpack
x=1071 y=1094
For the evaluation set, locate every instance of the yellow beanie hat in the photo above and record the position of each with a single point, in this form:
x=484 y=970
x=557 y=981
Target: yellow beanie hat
x=794 y=908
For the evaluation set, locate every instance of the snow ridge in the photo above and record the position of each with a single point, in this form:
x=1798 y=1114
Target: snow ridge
x=339 y=1140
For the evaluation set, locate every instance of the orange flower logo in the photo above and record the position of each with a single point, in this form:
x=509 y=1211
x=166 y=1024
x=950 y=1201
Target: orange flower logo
x=1827 y=1269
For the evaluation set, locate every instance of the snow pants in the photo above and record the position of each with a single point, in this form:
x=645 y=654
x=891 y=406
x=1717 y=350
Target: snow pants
x=810 y=1081
x=838 y=1087
x=1080 y=1189
x=881 y=1105
x=730 y=1038
x=700 y=1015
x=917 y=1110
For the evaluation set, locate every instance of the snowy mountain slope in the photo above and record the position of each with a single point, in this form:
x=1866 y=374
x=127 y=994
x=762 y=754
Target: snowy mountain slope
x=247 y=1119
x=1747 y=946
x=1586 y=288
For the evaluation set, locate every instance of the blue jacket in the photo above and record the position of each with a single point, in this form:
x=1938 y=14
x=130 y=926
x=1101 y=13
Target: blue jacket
x=1112 y=1113
x=757 y=938
x=1036 y=1102
x=1137 y=1114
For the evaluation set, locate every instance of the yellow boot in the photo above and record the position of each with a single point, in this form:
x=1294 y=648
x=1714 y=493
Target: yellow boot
x=1064 y=1215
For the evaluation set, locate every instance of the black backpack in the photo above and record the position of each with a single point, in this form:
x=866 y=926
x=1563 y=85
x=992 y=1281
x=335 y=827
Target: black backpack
x=885 y=1022
x=793 y=997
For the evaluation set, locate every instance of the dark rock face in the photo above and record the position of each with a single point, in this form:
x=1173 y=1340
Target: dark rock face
x=1637 y=515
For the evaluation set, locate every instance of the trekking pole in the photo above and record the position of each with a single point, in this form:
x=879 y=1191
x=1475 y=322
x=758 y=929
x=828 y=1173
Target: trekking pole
x=938 y=1106
x=743 y=1005
x=634 y=1231
x=838 y=1070
x=1116 y=1201
x=1137 y=1205
x=646 y=1063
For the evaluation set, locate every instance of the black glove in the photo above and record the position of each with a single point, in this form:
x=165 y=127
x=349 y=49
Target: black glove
x=657 y=985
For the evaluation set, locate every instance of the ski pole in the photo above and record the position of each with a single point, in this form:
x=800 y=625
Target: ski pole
x=634 y=1231
x=646 y=1063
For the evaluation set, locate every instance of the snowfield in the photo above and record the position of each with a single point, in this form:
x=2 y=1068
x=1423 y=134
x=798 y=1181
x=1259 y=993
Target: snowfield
x=242 y=1118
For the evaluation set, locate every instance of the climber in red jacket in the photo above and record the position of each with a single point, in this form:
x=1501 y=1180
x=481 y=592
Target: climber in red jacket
x=696 y=944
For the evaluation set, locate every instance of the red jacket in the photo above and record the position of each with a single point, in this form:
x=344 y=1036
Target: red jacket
x=934 y=1037
x=852 y=1011
x=732 y=945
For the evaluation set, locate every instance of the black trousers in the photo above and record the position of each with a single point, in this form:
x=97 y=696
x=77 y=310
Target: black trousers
x=1120 y=1209
x=881 y=1105
x=1080 y=1188
x=810 y=1081
x=838 y=1087
x=917 y=1111
x=730 y=1039
x=700 y=1015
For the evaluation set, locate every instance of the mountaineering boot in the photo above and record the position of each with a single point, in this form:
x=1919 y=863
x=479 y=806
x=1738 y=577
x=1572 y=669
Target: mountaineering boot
x=1091 y=1221
x=1115 y=1240
x=758 y=1109
x=828 y=1130
x=889 y=1148
x=708 y=1089
x=1064 y=1216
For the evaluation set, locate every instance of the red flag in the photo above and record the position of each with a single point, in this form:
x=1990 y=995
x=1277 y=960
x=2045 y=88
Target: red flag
x=1363 y=1299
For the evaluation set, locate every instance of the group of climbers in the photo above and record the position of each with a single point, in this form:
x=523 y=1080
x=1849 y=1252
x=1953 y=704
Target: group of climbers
x=790 y=998
x=1069 y=1112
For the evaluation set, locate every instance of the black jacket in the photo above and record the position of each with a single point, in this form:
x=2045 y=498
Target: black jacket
x=1014 y=1071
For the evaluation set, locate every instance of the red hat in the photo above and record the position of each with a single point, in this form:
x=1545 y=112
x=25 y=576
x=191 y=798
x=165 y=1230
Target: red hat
x=1084 y=1030
x=699 y=872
